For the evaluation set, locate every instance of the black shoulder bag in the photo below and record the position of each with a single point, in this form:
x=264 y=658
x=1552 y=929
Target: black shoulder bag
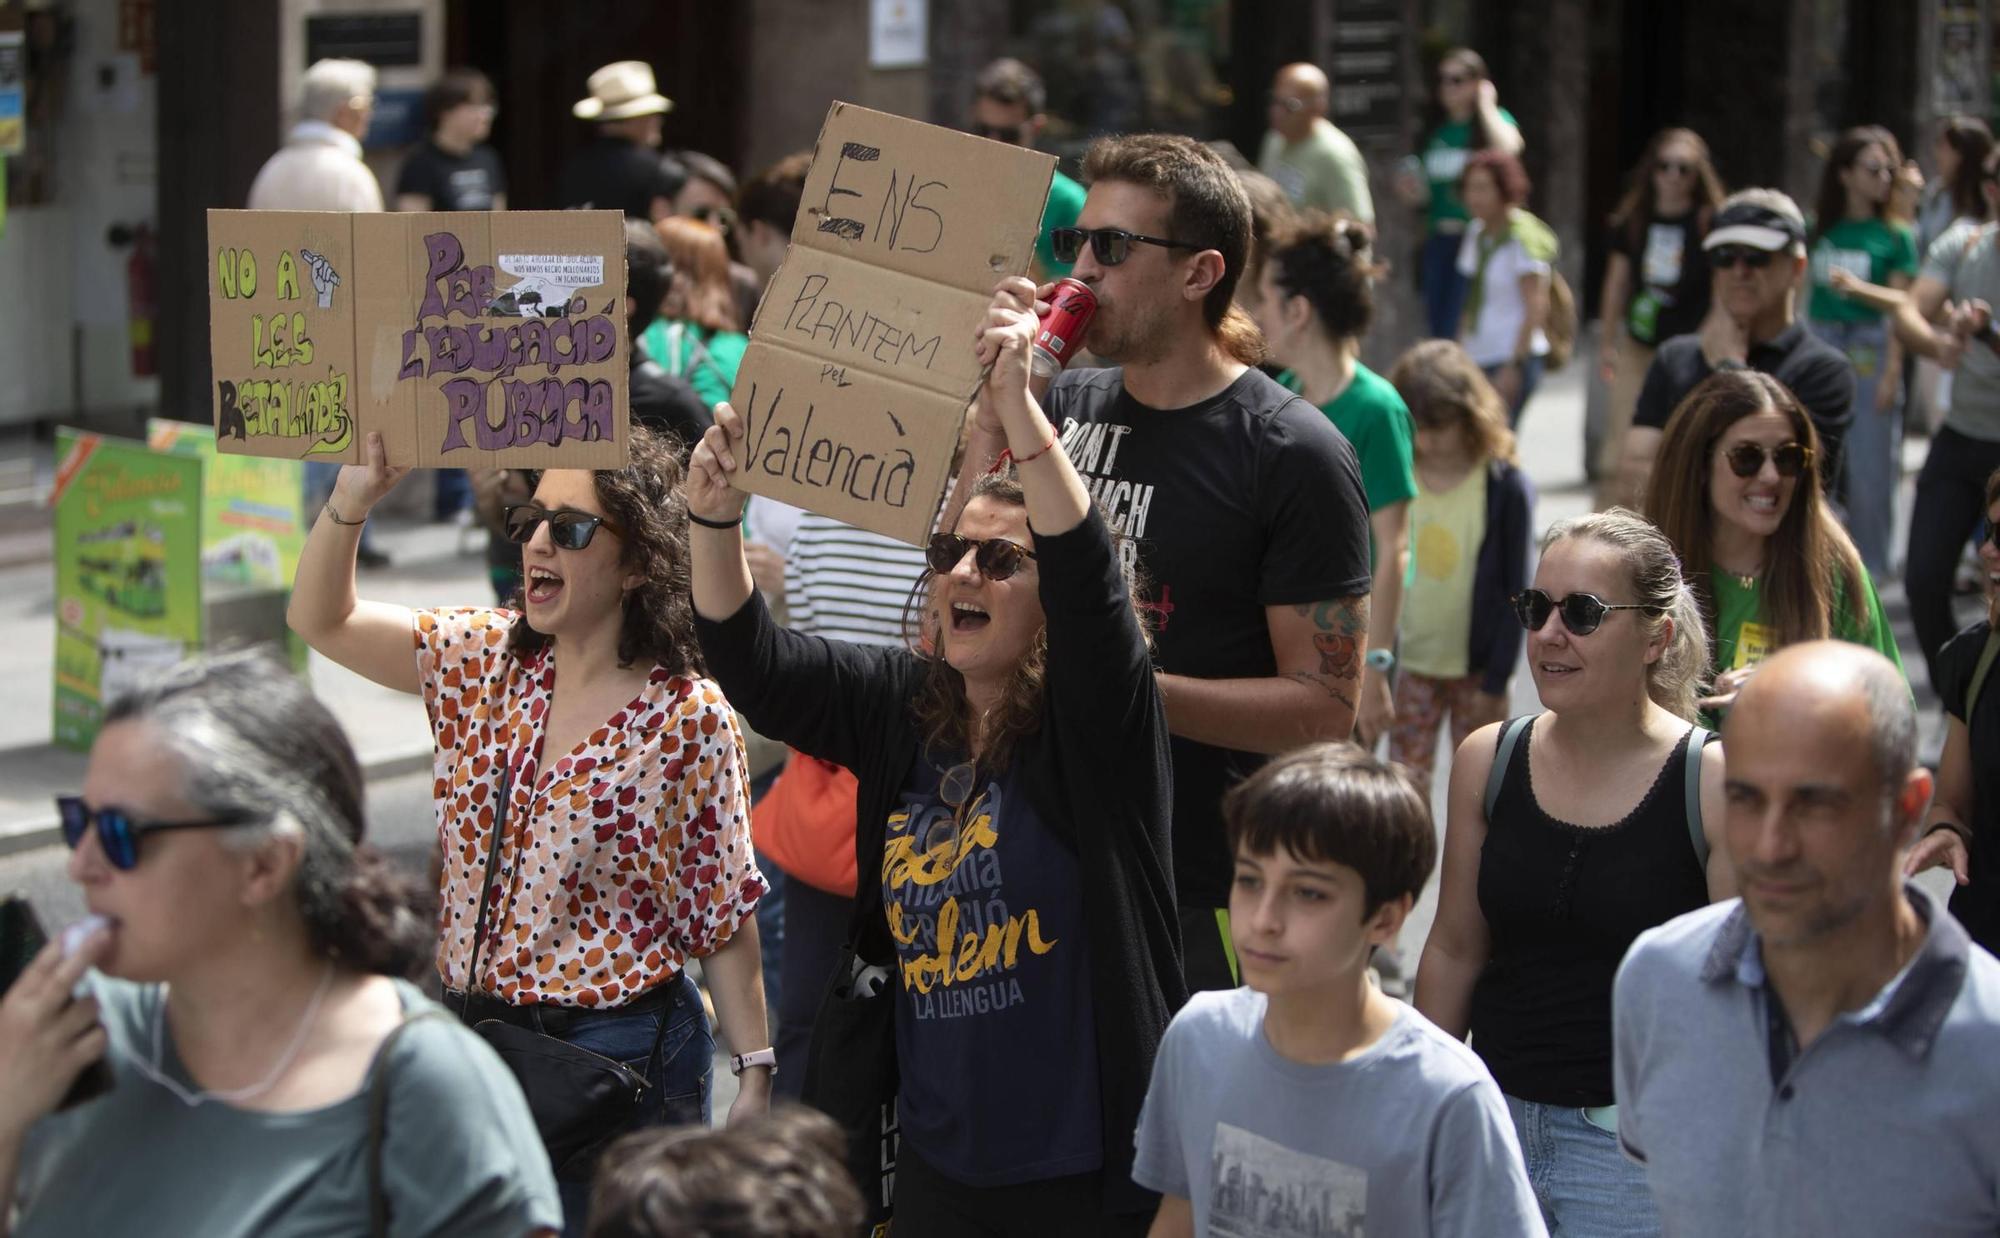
x=580 y=1100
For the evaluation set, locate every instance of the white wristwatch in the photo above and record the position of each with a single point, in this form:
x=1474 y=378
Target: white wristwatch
x=762 y=1057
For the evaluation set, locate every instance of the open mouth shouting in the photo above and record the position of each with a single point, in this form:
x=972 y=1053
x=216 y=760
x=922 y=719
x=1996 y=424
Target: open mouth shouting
x=967 y=617
x=543 y=584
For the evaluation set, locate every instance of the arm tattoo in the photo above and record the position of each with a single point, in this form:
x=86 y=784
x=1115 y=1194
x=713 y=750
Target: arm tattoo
x=1342 y=624
x=1326 y=683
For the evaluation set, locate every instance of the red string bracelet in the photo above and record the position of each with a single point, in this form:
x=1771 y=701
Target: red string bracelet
x=1007 y=455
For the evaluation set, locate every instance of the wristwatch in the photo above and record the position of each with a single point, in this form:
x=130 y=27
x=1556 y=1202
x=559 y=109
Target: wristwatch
x=762 y=1057
x=1380 y=659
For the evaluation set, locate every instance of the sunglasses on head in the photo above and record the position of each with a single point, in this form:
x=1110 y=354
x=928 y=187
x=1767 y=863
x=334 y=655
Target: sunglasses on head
x=118 y=834
x=1726 y=256
x=1747 y=459
x=997 y=558
x=569 y=530
x=1111 y=245
x=1581 y=612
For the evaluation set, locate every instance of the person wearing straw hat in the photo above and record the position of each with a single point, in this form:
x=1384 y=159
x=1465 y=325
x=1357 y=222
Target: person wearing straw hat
x=621 y=169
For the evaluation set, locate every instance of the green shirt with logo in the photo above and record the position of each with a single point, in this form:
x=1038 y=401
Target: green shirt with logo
x=1873 y=249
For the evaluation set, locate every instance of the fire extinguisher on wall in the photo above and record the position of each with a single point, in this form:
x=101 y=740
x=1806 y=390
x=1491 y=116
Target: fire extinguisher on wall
x=142 y=302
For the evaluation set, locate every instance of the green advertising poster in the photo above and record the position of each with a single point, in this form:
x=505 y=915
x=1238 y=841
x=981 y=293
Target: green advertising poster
x=128 y=571
x=252 y=509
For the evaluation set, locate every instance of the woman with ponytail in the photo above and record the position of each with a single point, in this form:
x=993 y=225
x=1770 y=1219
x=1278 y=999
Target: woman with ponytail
x=271 y=1071
x=1570 y=833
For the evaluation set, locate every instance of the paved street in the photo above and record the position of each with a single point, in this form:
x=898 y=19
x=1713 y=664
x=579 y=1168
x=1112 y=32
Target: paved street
x=435 y=565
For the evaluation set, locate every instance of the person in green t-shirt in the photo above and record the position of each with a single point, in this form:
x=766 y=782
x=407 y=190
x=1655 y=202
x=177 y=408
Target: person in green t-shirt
x=1007 y=103
x=1738 y=493
x=1853 y=233
x=697 y=335
x=1314 y=299
x=1474 y=120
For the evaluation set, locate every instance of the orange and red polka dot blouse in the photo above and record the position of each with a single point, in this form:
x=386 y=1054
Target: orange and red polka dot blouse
x=621 y=859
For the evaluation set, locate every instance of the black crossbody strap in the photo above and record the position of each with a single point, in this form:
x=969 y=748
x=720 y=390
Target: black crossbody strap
x=378 y=1124
x=486 y=884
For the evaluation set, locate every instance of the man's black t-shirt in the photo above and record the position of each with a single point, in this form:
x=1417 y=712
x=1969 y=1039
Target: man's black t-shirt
x=1246 y=500
x=613 y=174
x=1670 y=271
x=1977 y=905
x=666 y=403
x=468 y=182
x=1817 y=373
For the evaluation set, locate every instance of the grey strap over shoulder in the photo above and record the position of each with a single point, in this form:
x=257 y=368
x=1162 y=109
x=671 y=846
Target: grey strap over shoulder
x=378 y=1122
x=1699 y=739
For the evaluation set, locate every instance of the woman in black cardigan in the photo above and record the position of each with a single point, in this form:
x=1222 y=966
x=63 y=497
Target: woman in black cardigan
x=1012 y=824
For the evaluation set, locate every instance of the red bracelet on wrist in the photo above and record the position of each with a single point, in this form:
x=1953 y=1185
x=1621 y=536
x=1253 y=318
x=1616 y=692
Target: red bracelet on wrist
x=1008 y=455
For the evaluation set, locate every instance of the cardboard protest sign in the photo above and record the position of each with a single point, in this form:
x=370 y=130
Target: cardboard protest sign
x=128 y=572
x=469 y=340
x=860 y=363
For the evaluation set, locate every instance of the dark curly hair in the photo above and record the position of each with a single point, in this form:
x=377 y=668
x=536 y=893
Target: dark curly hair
x=1329 y=260
x=940 y=704
x=644 y=499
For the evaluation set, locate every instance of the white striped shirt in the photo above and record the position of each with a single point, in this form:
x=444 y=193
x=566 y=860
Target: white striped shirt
x=845 y=583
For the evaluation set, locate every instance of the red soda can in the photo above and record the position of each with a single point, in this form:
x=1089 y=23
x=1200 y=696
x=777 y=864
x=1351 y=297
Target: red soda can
x=1071 y=306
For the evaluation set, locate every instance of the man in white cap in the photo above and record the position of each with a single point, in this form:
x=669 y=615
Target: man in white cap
x=621 y=170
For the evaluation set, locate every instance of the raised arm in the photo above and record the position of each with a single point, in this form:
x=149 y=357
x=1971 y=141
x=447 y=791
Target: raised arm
x=1459 y=944
x=1056 y=499
x=372 y=639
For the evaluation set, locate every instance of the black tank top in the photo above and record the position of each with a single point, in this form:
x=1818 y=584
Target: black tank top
x=1562 y=905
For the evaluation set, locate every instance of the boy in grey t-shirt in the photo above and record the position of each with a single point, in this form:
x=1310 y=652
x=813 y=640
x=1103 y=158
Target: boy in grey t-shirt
x=1307 y=1101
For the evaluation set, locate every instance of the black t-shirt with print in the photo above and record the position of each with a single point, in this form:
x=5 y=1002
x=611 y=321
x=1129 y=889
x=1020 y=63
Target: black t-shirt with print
x=996 y=1046
x=468 y=182
x=1669 y=267
x=1246 y=500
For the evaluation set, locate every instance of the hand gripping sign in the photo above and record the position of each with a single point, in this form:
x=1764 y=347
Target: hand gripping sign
x=468 y=339
x=860 y=363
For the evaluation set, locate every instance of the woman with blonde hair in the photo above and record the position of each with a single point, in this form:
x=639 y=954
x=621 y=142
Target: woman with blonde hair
x=1568 y=834
x=1737 y=491
x=698 y=335
x=1470 y=526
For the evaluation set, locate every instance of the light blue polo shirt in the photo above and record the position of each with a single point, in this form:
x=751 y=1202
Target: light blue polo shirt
x=1887 y=1124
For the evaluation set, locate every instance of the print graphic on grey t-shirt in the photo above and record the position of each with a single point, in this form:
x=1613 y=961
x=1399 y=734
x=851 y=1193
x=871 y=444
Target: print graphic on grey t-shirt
x=1263 y=1189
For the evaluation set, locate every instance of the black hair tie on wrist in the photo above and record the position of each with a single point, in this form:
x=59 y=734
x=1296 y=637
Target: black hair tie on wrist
x=716 y=524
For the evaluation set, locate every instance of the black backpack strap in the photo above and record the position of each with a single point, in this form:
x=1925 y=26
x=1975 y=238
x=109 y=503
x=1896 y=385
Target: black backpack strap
x=1698 y=741
x=1980 y=671
x=378 y=1121
x=1503 y=753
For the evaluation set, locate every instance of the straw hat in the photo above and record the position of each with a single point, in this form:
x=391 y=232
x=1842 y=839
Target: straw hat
x=621 y=91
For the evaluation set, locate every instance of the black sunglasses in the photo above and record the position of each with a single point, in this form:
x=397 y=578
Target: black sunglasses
x=1747 y=459
x=1010 y=134
x=1581 y=612
x=997 y=558
x=1455 y=79
x=1989 y=533
x=1725 y=256
x=569 y=530
x=1111 y=245
x=118 y=834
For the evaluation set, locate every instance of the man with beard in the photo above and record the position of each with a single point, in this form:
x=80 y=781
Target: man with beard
x=1815 y=1057
x=1241 y=506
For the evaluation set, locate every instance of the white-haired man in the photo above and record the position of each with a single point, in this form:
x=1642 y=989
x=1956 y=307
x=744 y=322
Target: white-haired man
x=319 y=167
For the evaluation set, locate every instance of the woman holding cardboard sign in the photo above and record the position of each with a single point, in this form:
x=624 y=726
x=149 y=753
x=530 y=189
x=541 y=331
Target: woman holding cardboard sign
x=1012 y=835
x=620 y=847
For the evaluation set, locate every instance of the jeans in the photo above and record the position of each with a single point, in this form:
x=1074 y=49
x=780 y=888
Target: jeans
x=1531 y=378
x=453 y=493
x=1872 y=453
x=1443 y=286
x=681 y=1075
x=1951 y=497
x=1582 y=1180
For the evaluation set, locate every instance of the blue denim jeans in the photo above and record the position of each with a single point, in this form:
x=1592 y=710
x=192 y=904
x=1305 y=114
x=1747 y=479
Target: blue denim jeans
x=1531 y=378
x=1584 y=1183
x=680 y=1076
x=1871 y=455
x=1443 y=286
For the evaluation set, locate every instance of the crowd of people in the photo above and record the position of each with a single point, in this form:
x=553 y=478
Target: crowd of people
x=1045 y=879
